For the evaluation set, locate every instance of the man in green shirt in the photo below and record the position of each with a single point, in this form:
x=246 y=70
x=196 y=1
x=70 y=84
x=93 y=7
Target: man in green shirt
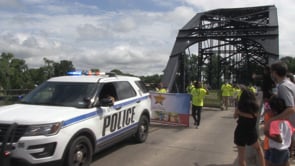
x=226 y=91
x=198 y=93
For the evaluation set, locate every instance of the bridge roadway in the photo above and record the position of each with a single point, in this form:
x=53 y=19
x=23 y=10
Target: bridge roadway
x=209 y=145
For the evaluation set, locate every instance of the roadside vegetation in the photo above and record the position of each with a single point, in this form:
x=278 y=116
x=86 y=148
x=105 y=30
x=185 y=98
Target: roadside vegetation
x=16 y=78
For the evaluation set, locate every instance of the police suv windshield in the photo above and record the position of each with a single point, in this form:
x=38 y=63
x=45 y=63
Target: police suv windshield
x=62 y=94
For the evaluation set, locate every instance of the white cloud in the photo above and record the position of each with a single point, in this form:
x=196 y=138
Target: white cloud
x=134 y=41
x=10 y=3
x=210 y=5
x=91 y=32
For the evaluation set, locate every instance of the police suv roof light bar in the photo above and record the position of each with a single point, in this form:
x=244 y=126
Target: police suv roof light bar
x=80 y=73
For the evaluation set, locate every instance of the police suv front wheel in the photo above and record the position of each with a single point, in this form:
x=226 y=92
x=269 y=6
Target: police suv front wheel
x=79 y=152
x=142 y=130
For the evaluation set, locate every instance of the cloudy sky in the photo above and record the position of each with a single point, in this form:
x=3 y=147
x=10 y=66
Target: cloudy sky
x=134 y=36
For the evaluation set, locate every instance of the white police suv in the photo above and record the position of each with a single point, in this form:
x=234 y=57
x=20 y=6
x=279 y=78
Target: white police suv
x=69 y=118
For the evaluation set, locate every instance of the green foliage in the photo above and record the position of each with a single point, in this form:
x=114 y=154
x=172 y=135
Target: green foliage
x=94 y=70
x=151 y=81
x=211 y=72
x=156 y=78
x=5 y=70
x=119 y=72
x=212 y=99
x=290 y=61
x=15 y=74
x=63 y=67
x=191 y=67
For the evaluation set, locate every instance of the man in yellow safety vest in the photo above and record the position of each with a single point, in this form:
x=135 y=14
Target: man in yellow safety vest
x=226 y=91
x=198 y=93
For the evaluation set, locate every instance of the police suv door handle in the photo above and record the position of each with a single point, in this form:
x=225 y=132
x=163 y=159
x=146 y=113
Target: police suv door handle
x=118 y=108
x=138 y=101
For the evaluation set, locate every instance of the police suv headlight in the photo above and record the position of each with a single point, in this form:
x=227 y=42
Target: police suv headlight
x=44 y=129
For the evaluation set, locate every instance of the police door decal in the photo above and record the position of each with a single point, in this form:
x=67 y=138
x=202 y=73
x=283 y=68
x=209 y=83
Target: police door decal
x=118 y=120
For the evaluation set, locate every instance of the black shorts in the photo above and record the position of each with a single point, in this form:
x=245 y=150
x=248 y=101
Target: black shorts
x=243 y=138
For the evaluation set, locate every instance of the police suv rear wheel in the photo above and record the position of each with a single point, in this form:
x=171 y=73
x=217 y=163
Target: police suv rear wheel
x=142 y=130
x=80 y=152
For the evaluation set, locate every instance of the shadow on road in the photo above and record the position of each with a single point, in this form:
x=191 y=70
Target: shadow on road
x=233 y=164
x=220 y=165
x=163 y=126
x=228 y=117
x=112 y=149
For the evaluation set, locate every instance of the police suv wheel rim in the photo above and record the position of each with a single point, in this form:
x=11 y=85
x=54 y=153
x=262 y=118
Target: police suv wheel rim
x=80 y=155
x=143 y=130
x=80 y=152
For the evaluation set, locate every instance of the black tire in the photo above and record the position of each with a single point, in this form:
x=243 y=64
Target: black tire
x=142 y=129
x=79 y=152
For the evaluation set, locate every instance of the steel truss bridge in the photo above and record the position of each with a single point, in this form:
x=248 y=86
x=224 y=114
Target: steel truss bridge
x=230 y=45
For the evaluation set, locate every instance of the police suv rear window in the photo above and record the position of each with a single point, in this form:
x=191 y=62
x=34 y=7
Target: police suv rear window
x=124 y=90
x=141 y=86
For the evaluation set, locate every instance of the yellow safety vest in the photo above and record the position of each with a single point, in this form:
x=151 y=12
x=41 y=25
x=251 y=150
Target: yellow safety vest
x=226 y=90
x=163 y=90
x=198 y=95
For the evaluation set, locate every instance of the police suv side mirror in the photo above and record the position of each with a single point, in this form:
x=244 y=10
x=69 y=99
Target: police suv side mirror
x=106 y=102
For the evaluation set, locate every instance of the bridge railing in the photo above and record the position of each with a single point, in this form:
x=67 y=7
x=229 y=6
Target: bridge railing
x=10 y=96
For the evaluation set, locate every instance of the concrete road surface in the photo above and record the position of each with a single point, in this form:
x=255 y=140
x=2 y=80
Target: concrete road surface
x=209 y=145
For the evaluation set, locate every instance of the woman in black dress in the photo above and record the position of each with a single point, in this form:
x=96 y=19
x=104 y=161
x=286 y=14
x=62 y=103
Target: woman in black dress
x=246 y=132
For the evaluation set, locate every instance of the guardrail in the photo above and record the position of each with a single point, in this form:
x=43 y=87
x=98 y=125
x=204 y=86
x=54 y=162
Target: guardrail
x=10 y=96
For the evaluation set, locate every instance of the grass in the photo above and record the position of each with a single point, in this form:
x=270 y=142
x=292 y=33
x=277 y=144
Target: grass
x=212 y=99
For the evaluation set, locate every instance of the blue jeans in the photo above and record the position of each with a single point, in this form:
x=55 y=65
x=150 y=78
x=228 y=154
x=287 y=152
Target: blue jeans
x=276 y=156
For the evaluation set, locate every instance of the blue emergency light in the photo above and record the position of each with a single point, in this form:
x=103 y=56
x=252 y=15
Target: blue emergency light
x=75 y=73
x=89 y=73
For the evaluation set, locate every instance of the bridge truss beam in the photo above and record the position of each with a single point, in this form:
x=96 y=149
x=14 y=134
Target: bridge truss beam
x=238 y=37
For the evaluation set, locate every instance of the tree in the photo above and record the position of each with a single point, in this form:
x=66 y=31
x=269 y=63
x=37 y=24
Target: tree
x=37 y=76
x=63 y=67
x=95 y=70
x=119 y=72
x=48 y=68
x=211 y=72
x=13 y=72
x=19 y=79
x=191 y=68
x=6 y=71
x=152 y=81
x=290 y=61
x=156 y=78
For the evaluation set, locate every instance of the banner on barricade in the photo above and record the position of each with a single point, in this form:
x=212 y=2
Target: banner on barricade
x=170 y=108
